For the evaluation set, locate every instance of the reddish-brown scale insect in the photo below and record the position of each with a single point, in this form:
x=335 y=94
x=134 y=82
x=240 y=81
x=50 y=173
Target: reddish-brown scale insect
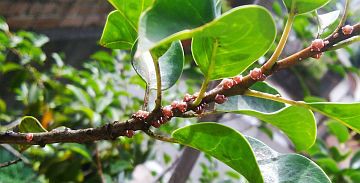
x=182 y=106
x=237 y=79
x=129 y=133
x=227 y=83
x=156 y=124
x=257 y=75
x=141 y=114
x=167 y=112
x=347 y=29
x=317 y=45
x=220 y=99
x=188 y=98
x=29 y=137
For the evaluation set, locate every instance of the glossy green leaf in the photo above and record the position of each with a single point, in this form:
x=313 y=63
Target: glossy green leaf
x=223 y=143
x=339 y=130
x=171 y=62
x=305 y=6
x=166 y=18
x=280 y=168
x=131 y=9
x=347 y=114
x=233 y=42
x=300 y=130
x=296 y=122
x=246 y=103
x=119 y=33
x=30 y=124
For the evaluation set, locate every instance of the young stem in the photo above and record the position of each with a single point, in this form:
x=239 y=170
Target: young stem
x=146 y=99
x=277 y=98
x=268 y=65
x=207 y=76
x=160 y=137
x=158 y=83
x=345 y=43
x=344 y=16
x=202 y=92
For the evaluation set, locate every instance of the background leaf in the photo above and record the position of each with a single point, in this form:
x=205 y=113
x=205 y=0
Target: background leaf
x=232 y=43
x=305 y=6
x=339 y=130
x=277 y=167
x=171 y=66
x=347 y=114
x=224 y=143
x=30 y=124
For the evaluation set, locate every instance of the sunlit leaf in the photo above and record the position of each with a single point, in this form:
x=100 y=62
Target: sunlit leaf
x=223 y=143
x=280 y=168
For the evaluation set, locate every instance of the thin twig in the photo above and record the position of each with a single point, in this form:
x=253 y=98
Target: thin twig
x=2 y=165
x=15 y=153
x=172 y=166
x=98 y=165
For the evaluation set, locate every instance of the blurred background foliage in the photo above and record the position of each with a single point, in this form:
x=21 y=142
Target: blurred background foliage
x=104 y=88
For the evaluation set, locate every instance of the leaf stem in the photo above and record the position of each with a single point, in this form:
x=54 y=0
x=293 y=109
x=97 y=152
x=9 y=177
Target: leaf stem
x=207 y=76
x=160 y=137
x=277 y=98
x=158 y=83
x=202 y=92
x=345 y=43
x=344 y=16
x=146 y=98
x=284 y=37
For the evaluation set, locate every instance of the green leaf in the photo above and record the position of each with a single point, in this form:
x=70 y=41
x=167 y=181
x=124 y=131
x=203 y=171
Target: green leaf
x=171 y=62
x=167 y=21
x=327 y=19
x=118 y=33
x=347 y=114
x=279 y=168
x=30 y=124
x=131 y=10
x=339 y=130
x=223 y=143
x=305 y=6
x=296 y=122
x=246 y=103
x=355 y=161
x=121 y=26
x=80 y=149
x=232 y=43
x=328 y=164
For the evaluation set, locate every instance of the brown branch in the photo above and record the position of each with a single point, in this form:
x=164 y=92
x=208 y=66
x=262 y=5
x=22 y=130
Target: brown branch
x=116 y=129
